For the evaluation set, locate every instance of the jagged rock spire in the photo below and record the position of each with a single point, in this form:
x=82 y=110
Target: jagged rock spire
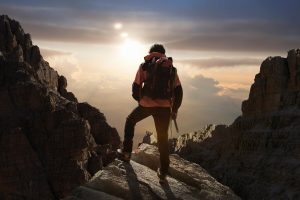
x=276 y=86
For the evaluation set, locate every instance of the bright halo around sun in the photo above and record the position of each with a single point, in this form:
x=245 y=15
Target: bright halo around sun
x=132 y=50
x=118 y=26
x=124 y=35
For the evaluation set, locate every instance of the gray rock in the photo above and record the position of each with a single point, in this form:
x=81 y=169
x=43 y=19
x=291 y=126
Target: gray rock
x=138 y=180
x=101 y=131
x=257 y=155
x=62 y=89
x=186 y=172
x=85 y=193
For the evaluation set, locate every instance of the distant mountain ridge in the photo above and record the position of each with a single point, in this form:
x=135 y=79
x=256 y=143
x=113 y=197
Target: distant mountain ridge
x=258 y=155
x=49 y=143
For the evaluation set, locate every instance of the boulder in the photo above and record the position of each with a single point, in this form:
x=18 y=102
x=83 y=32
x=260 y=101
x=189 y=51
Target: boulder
x=85 y=193
x=138 y=180
x=184 y=171
x=100 y=130
x=62 y=89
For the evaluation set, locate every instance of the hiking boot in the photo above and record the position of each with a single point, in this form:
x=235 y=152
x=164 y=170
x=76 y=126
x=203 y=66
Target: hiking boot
x=162 y=176
x=123 y=155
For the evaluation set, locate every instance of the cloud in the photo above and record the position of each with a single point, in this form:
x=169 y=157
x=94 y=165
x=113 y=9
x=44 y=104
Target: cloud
x=239 y=36
x=32 y=13
x=65 y=63
x=196 y=26
x=47 y=53
x=236 y=43
x=56 y=33
x=220 y=62
x=203 y=104
x=64 y=24
x=236 y=93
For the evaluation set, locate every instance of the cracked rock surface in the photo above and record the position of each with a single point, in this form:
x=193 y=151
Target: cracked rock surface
x=138 y=179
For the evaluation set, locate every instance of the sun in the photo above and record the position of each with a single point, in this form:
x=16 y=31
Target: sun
x=132 y=49
x=118 y=26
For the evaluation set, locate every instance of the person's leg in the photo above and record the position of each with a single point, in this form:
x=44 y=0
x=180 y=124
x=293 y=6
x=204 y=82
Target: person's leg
x=162 y=120
x=135 y=116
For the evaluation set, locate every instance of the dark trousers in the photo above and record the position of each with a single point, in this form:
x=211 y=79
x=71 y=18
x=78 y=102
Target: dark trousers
x=161 y=117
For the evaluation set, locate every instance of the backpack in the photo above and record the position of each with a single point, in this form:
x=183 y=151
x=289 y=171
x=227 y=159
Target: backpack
x=160 y=79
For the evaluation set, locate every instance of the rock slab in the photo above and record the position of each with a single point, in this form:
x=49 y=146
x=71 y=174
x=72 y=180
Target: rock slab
x=138 y=179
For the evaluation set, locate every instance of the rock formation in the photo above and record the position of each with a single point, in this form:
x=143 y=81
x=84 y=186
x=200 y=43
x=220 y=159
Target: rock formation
x=49 y=143
x=138 y=180
x=258 y=155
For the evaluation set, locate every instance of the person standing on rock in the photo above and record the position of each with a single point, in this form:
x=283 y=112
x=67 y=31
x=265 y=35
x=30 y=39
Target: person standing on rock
x=158 y=90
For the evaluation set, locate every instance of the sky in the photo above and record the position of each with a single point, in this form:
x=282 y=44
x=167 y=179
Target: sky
x=217 y=47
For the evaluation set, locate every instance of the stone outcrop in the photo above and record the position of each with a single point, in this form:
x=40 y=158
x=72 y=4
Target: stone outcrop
x=276 y=86
x=49 y=143
x=62 y=89
x=258 y=155
x=138 y=180
x=101 y=131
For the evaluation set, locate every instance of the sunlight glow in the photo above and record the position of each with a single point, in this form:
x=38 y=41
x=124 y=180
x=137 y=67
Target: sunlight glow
x=118 y=26
x=132 y=49
x=124 y=35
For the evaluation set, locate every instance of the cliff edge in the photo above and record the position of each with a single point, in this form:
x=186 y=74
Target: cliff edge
x=258 y=155
x=49 y=142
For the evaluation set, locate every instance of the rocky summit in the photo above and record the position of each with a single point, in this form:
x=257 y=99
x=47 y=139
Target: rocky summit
x=138 y=180
x=49 y=142
x=258 y=155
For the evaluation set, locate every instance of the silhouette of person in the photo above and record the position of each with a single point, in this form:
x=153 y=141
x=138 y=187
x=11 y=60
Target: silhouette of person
x=158 y=91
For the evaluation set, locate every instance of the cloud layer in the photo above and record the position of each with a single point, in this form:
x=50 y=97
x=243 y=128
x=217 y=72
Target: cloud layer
x=220 y=62
x=203 y=104
x=267 y=26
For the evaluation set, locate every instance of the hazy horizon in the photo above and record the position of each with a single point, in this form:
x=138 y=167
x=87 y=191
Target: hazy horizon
x=217 y=48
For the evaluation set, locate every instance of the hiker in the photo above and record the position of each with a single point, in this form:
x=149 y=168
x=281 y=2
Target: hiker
x=159 y=93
